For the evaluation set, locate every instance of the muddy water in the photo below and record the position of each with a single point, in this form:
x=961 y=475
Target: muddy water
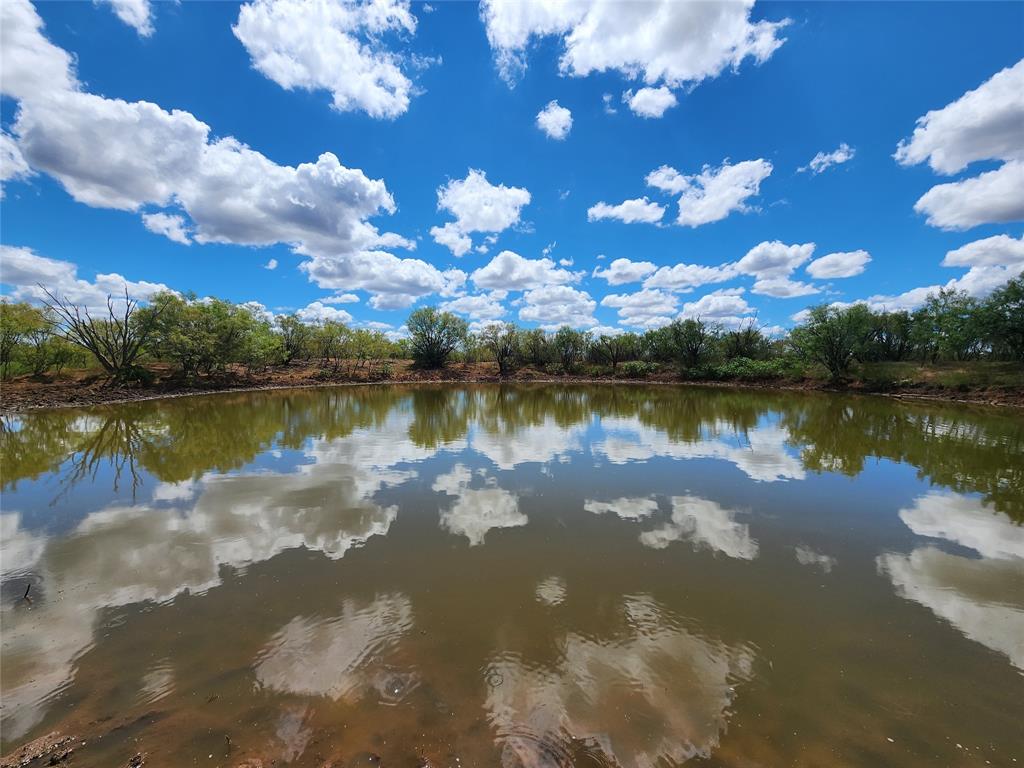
x=521 y=576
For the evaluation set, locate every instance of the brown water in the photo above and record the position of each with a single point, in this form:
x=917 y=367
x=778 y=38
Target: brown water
x=516 y=576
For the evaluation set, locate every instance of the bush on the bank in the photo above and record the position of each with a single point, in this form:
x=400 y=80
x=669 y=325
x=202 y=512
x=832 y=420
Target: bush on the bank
x=745 y=369
x=639 y=369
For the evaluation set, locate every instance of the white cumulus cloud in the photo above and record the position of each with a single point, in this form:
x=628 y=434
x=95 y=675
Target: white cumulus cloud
x=622 y=271
x=726 y=302
x=13 y=165
x=647 y=308
x=661 y=41
x=825 y=160
x=994 y=197
x=783 y=288
x=650 y=102
x=137 y=14
x=628 y=211
x=714 y=193
x=478 y=206
x=25 y=271
x=508 y=271
x=555 y=120
x=341 y=298
x=837 y=265
x=331 y=46
x=686 y=277
x=1000 y=250
x=774 y=259
x=983 y=124
x=553 y=306
x=481 y=307
x=125 y=155
x=171 y=226
x=318 y=312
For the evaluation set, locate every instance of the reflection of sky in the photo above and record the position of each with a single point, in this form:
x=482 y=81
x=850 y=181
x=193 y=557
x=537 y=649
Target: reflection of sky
x=706 y=525
x=674 y=685
x=702 y=522
x=331 y=495
x=121 y=555
x=339 y=657
x=981 y=594
x=535 y=443
x=475 y=511
x=760 y=453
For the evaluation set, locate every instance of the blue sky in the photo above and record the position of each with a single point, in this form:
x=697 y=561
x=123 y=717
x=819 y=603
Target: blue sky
x=104 y=106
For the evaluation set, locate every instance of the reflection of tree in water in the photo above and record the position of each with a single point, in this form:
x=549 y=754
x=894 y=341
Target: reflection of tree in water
x=441 y=415
x=177 y=440
x=965 y=450
x=180 y=439
x=34 y=444
x=116 y=444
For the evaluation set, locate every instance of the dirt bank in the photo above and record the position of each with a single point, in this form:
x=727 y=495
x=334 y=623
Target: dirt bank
x=84 y=388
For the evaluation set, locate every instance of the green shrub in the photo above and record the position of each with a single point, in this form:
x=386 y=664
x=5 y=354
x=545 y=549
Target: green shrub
x=638 y=369
x=743 y=368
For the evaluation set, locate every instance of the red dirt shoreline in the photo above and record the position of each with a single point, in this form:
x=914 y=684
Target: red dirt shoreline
x=78 y=390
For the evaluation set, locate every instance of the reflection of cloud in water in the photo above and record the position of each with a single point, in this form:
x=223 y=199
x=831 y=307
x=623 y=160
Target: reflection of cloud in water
x=551 y=591
x=157 y=683
x=292 y=732
x=983 y=598
x=124 y=555
x=536 y=443
x=182 y=491
x=337 y=657
x=627 y=508
x=973 y=595
x=20 y=549
x=966 y=520
x=675 y=686
x=476 y=510
x=809 y=557
x=705 y=524
x=760 y=452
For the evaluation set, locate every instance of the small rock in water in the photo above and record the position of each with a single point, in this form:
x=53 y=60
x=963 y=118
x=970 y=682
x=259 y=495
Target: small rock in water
x=365 y=760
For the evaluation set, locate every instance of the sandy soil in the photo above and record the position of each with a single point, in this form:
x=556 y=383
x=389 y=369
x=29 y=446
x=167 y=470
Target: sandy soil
x=80 y=388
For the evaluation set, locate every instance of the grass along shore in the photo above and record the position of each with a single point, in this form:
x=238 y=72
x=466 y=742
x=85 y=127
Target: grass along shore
x=981 y=382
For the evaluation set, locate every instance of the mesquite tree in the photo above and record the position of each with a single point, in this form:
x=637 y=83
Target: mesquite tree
x=434 y=336
x=694 y=341
x=502 y=339
x=571 y=346
x=834 y=336
x=616 y=349
x=116 y=341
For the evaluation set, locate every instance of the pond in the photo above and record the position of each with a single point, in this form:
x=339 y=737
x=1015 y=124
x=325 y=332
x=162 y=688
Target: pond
x=516 y=576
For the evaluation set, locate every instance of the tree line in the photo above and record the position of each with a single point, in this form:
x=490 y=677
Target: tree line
x=210 y=336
